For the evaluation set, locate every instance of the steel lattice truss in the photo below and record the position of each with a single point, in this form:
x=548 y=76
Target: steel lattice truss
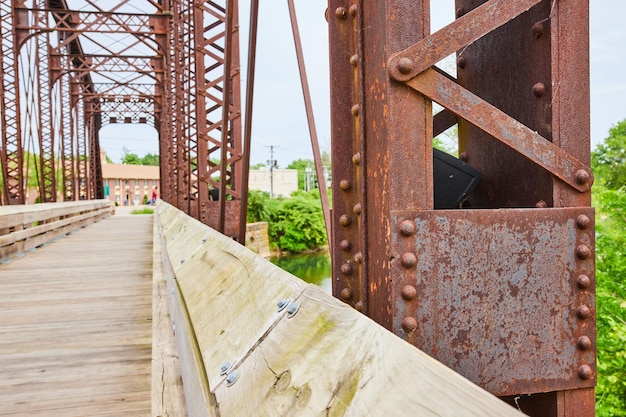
x=70 y=67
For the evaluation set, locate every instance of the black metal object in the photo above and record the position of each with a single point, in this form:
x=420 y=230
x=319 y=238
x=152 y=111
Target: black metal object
x=453 y=180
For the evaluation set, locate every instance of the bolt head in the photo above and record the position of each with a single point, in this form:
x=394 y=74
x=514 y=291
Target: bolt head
x=539 y=89
x=345 y=185
x=358 y=306
x=345 y=220
x=582 y=177
x=583 y=312
x=355 y=110
x=358 y=258
x=405 y=65
x=583 y=221
x=293 y=309
x=231 y=378
x=341 y=13
x=407 y=228
x=354 y=60
x=584 y=343
x=346 y=294
x=585 y=372
x=346 y=269
x=409 y=324
x=345 y=245
x=537 y=30
x=408 y=260
x=583 y=252
x=357 y=209
x=409 y=292
x=226 y=366
x=356 y=159
x=583 y=282
x=353 y=10
x=461 y=62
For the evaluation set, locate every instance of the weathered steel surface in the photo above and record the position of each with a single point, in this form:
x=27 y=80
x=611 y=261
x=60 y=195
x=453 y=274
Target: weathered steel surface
x=349 y=196
x=457 y=35
x=503 y=127
x=504 y=297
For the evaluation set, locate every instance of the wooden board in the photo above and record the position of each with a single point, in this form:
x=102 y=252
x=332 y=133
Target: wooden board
x=327 y=359
x=75 y=324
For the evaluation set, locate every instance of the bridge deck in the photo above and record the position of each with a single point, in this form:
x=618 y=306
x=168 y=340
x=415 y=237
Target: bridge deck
x=75 y=324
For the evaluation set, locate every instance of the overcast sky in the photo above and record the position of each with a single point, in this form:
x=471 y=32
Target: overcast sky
x=279 y=115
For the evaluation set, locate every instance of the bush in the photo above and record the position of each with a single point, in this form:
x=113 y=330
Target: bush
x=296 y=224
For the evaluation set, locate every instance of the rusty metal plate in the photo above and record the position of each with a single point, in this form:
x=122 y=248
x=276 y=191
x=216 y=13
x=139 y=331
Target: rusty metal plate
x=504 y=297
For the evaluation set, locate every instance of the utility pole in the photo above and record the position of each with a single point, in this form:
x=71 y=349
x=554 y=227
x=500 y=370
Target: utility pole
x=272 y=163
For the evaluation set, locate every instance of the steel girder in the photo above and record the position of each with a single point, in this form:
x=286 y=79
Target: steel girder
x=503 y=290
x=176 y=69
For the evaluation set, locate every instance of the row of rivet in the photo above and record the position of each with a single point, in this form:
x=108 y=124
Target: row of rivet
x=583 y=282
x=346 y=220
x=408 y=260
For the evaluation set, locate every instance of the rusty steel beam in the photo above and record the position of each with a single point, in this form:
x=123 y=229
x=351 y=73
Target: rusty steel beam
x=467 y=285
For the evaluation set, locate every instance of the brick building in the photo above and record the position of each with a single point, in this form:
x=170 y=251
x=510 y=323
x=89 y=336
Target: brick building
x=129 y=185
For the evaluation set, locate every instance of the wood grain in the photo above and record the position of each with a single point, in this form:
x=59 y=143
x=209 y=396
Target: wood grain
x=75 y=324
x=326 y=360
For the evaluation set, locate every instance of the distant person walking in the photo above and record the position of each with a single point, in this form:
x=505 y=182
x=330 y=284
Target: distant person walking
x=154 y=195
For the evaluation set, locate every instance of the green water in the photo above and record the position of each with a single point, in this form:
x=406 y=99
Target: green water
x=314 y=268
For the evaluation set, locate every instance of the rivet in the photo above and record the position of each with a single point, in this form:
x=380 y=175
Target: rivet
x=231 y=378
x=282 y=304
x=541 y=204
x=585 y=372
x=204 y=240
x=358 y=306
x=345 y=185
x=409 y=324
x=537 y=30
x=357 y=209
x=355 y=110
x=345 y=246
x=358 y=258
x=539 y=89
x=583 y=343
x=582 y=176
x=353 y=10
x=182 y=261
x=464 y=156
x=226 y=366
x=408 y=260
x=346 y=294
x=460 y=12
x=356 y=159
x=354 y=60
x=346 y=269
x=407 y=228
x=583 y=221
x=583 y=252
x=341 y=13
x=409 y=292
x=405 y=65
x=583 y=282
x=583 y=312
x=293 y=309
x=345 y=220
x=461 y=62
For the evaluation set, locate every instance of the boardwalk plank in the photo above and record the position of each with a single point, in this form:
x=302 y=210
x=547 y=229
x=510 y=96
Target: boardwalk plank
x=76 y=324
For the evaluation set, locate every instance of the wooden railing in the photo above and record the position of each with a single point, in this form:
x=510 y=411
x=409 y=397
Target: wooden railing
x=255 y=341
x=25 y=227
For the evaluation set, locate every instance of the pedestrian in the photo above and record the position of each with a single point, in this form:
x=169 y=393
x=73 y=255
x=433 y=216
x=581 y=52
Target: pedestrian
x=154 y=195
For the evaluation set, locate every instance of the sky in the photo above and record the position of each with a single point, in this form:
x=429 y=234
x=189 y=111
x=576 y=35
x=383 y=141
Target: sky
x=279 y=119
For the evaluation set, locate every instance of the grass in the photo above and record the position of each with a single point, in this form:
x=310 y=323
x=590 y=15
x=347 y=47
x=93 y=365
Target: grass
x=145 y=210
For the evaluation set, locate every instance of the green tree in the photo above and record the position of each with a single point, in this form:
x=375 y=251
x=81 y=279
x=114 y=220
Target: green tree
x=130 y=158
x=150 y=159
x=611 y=301
x=296 y=224
x=258 y=206
x=608 y=160
x=306 y=172
x=260 y=165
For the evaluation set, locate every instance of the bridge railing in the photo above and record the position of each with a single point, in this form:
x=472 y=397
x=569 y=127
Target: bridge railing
x=24 y=227
x=254 y=340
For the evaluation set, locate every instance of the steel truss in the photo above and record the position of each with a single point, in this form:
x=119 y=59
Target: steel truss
x=71 y=67
x=503 y=290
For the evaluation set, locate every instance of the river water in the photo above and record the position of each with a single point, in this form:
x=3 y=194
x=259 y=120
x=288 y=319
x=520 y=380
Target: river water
x=311 y=267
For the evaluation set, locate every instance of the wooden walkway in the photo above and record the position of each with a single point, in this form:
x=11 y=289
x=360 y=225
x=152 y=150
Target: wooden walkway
x=76 y=324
